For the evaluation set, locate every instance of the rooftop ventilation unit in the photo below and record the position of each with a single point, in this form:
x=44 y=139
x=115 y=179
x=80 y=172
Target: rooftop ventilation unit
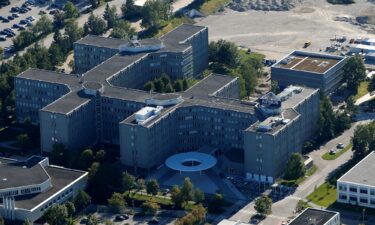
x=147 y=113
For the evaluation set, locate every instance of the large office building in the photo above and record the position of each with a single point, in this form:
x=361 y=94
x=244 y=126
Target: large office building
x=312 y=216
x=357 y=186
x=104 y=103
x=28 y=188
x=314 y=70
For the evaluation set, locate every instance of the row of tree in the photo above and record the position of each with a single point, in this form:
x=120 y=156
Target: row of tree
x=363 y=140
x=164 y=84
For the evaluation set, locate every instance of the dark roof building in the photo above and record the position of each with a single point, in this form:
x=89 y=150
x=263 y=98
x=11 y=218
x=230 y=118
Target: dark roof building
x=317 y=217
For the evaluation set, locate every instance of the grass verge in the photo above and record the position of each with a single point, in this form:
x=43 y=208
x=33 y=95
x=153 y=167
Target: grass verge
x=324 y=195
x=328 y=156
x=212 y=6
x=362 y=90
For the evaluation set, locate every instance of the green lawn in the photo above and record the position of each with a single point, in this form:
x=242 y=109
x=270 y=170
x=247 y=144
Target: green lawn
x=173 y=23
x=253 y=55
x=328 y=156
x=212 y=6
x=362 y=90
x=143 y=197
x=324 y=195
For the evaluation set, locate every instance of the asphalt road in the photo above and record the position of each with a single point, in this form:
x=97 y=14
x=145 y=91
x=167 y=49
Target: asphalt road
x=5 y=12
x=284 y=209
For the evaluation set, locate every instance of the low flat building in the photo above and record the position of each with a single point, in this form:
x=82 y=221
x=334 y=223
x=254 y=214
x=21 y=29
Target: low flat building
x=314 y=70
x=312 y=216
x=357 y=186
x=28 y=188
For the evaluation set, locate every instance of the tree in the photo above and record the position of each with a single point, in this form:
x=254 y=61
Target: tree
x=342 y=122
x=94 y=25
x=249 y=74
x=128 y=181
x=58 y=20
x=295 y=167
x=275 y=86
x=73 y=32
x=55 y=53
x=177 y=86
x=95 y=3
x=363 y=140
x=196 y=216
x=263 y=205
x=185 y=85
x=92 y=220
x=129 y=10
x=116 y=203
x=149 y=86
x=57 y=215
x=86 y=158
x=1 y=52
x=152 y=187
x=354 y=73
x=326 y=120
x=122 y=30
x=198 y=196
x=2 y=221
x=176 y=196
x=140 y=184
x=70 y=10
x=43 y=26
x=26 y=222
x=155 y=12
x=187 y=190
x=109 y=222
x=100 y=155
x=110 y=15
x=150 y=208
x=70 y=208
x=224 y=52
x=59 y=154
x=22 y=140
x=82 y=200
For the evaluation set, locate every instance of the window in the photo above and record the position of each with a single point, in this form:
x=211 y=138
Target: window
x=353 y=198
x=343 y=197
x=342 y=187
x=353 y=189
x=363 y=200
x=363 y=191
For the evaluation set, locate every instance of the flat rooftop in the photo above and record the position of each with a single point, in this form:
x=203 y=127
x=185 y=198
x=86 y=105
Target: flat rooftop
x=313 y=216
x=309 y=62
x=15 y=174
x=60 y=178
x=104 y=42
x=297 y=98
x=360 y=173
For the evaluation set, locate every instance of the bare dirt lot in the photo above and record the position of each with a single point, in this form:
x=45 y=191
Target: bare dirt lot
x=277 y=33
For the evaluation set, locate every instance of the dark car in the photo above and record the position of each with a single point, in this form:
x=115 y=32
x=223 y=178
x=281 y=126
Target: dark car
x=5 y=20
x=10 y=18
x=15 y=15
x=15 y=9
x=24 y=22
x=153 y=221
x=2 y=17
x=23 y=10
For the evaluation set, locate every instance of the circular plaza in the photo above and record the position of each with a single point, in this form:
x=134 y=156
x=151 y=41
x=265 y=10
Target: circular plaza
x=191 y=162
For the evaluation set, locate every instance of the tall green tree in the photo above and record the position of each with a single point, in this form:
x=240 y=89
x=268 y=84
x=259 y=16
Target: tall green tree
x=110 y=15
x=150 y=208
x=155 y=12
x=59 y=154
x=43 y=26
x=56 y=215
x=326 y=119
x=152 y=187
x=371 y=86
x=71 y=209
x=295 y=167
x=128 y=181
x=354 y=73
x=263 y=205
x=70 y=10
x=116 y=203
x=123 y=30
x=130 y=10
x=86 y=158
x=94 y=25
x=82 y=200
x=225 y=53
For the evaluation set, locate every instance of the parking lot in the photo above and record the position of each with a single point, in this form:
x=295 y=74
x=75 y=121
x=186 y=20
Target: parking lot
x=34 y=12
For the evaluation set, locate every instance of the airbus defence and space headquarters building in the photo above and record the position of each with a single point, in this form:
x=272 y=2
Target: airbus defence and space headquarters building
x=104 y=103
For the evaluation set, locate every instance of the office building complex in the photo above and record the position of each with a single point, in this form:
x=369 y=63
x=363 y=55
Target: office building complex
x=104 y=104
x=28 y=188
x=314 y=70
x=316 y=217
x=357 y=186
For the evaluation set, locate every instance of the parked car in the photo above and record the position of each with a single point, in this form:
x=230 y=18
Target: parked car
x=23 y=10
x=15 y=9
x=3 y=37
x=332 y=151
x=42 y=12
x=121 y=217
x=22 y=27
x=153 y=221
x=2 y=18
x=24 y=21
x=15 y=15
x=340 y=146
x=10 y=18
x=30 y=18
x=53 y=11
x=5 y=20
